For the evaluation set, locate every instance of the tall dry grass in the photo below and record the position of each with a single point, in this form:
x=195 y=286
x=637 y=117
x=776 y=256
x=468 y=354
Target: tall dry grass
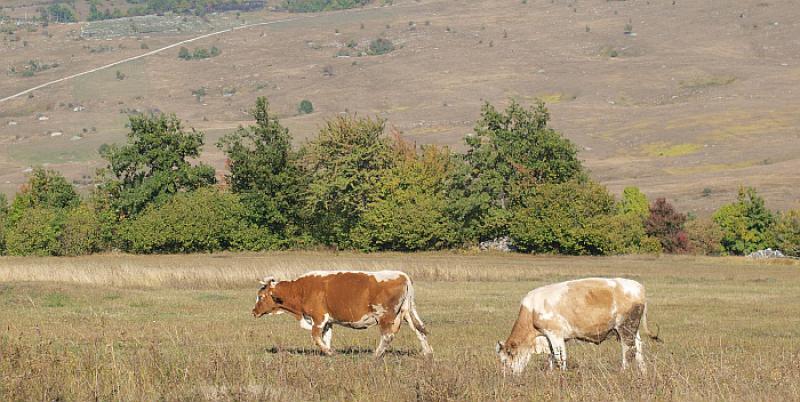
x=237 y=270
x=134 y=328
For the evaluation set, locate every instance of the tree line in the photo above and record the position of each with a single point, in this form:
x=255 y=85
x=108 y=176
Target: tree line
x=354 y=187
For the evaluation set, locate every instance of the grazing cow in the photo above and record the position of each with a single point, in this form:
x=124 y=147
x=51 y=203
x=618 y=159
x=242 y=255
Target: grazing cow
x=357 y=300
x=585 y=309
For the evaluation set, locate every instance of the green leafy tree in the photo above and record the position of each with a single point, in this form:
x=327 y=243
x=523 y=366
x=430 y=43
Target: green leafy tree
x=511 y=153
x=635 y=202
x=411 y=209
x=153 y=165
x=786 y=233
x=346 y=162
x=265 y=172
x=745 y=224
x=46 y=189
x=205 y=220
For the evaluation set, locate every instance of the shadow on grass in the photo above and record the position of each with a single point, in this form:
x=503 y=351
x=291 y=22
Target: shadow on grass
x=351 y=350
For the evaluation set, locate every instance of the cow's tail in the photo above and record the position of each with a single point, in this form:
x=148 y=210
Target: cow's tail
x=647 y=330
x=411 y=309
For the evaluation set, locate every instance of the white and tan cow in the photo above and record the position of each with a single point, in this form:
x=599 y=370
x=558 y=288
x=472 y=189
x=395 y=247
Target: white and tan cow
x=353 y=299
x=585 y=309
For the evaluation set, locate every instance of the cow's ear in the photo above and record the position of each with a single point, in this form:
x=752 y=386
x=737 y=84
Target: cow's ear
x=498 y=347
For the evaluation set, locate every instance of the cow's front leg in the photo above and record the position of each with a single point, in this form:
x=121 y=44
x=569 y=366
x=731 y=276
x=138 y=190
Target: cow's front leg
x=319 y=333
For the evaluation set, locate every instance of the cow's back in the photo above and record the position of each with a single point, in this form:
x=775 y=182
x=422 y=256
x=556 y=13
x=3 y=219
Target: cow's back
x=347 y=296
x=586 y=308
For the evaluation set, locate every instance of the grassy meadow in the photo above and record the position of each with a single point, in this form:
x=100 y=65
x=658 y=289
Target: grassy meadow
x=133 y=328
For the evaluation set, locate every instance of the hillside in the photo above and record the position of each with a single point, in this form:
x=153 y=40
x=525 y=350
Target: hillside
x=694 y=100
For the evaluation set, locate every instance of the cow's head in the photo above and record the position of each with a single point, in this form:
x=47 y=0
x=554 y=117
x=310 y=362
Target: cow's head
x=515 y=356
x=266 y=302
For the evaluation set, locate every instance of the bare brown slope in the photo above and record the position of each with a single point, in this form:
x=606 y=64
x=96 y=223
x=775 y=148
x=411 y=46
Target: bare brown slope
x=703 y=96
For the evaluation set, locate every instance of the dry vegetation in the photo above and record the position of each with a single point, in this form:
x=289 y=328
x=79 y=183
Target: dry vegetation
x=121 y=327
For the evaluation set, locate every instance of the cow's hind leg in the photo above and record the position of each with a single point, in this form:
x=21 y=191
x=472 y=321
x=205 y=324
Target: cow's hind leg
x=631 y=342
x=419 y=329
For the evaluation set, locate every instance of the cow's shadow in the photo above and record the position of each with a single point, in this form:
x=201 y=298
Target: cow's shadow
x=350 y=350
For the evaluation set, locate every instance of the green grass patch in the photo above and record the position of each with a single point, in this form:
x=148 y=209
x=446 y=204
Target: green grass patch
x=667 y=150
x=709 y=81
x=56 y=300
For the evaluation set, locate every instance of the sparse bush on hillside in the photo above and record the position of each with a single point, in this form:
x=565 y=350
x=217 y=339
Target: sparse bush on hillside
x=380 y=46
x=305 y=107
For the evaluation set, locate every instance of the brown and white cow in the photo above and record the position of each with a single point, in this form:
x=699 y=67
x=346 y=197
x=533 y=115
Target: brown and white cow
x=585 y=309
x=353 y=299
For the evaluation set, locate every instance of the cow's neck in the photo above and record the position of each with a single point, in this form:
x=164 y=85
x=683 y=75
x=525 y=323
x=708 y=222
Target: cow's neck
x=523 y=333
x=291 y=298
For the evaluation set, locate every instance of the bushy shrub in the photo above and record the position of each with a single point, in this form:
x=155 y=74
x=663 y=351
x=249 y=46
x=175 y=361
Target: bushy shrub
x=411 y=207
x=786 y=233
x=704 y=235
x=555 y=216
x=36 y=232
x=635 y=202
x=205 y=220
x=666 y=224
x=305 y=107
x=346 y=161
x=745 y=224
x=616 y=234
x=86 y=230
x=380 y=46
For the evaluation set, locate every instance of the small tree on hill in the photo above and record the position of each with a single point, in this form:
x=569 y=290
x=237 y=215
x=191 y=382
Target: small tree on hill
x=153 y=165
x=265 y=172
x=666 y=224
x=346 y=161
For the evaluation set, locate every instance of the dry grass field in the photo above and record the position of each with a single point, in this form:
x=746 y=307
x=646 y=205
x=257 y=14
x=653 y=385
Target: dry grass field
x=699 y=98
x=133 y=328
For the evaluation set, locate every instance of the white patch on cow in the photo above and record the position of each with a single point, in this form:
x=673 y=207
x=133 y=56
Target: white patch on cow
x=611 y=283
x=630 y=287
x=325 y=319
x=541 y=345
x=380 y=276
x=543 y=299
x=326 y=337
x=306 y=323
